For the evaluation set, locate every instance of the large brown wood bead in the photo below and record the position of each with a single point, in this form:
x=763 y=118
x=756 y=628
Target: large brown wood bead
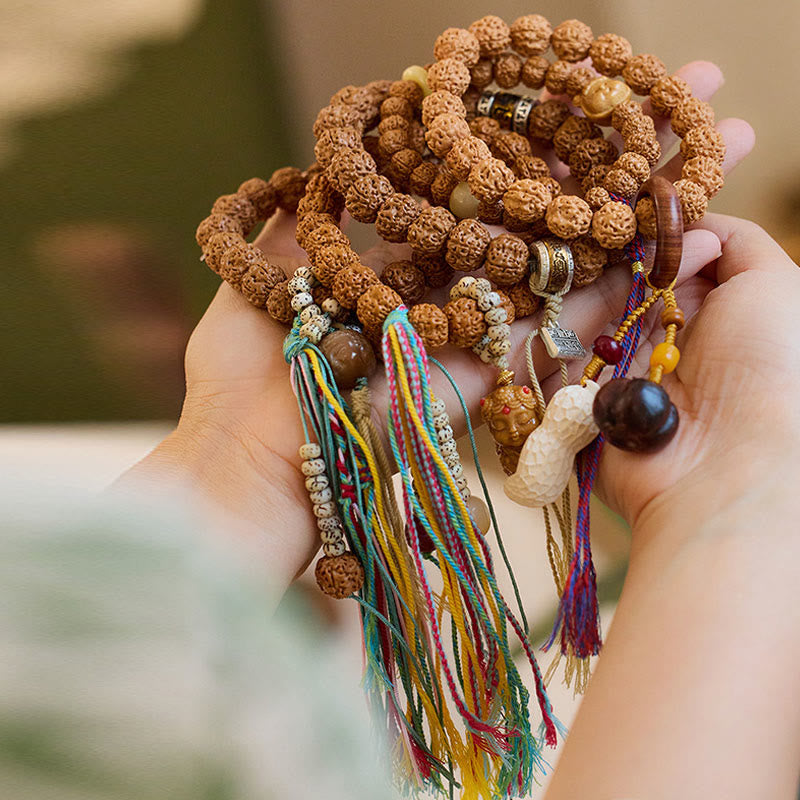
x=350 y=356
x=238 y=207
x=279 y=303
x=395 y=217
x=465 y=322
x=366 y=196
x=430 y=323
x=259 y=282
x=218 y=245
x=524 y=300
x=233 y=266
x=571 y=40
x=506 y=260
x=261 y=194
x=437 y=271
x=466 y=246
x=376 y=303
x=428 y=233
x=290 y=185
x=351 y=282
x=216 y=223
x=339 y=576
x=406 y=279
x=330 y=259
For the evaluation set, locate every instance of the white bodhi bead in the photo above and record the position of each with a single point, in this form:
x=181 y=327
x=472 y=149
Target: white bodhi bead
x=333 y=549
x=323 y=510
x=314 y=466
x=329 y=525
x=316 y=483
x=309 y=450
x=322 y=496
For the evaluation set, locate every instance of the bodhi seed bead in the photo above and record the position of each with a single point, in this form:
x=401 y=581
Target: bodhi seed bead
x=315 y=483
x=314 y=466
x=309 y=450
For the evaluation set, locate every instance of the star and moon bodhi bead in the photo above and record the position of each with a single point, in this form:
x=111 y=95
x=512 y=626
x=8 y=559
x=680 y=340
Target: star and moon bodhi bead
x=438 y=160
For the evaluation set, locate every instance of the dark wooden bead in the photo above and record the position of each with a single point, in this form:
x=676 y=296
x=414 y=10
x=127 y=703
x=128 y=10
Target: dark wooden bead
x=610 y=350
x=635 y=415
x=350 y=355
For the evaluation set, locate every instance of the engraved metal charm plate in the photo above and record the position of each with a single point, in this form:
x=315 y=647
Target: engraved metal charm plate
x=522 y=112
x=562 y=343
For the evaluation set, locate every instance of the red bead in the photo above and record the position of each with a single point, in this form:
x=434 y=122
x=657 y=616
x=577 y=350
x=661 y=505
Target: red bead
x=610 y=350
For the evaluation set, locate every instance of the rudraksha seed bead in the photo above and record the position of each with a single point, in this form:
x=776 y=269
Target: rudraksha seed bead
x=546 y=118
x=438 y=103
x=393 y=123
x=493 y=35
x=530 y=166
x=534 y=71
x=470 y=100
x=330 y=259
x=466 y=246
x=349 y=355
x=218 y=245
x=552 y=184
x=410 y=91
x=507 y=305
x=465 y=154
x=635 y=164
x=366 y=195
x=595 y=177
x=401 y=165
x=526 y=200
x=436 y=270
x=624 y=113
x=524 y=300
x=376 y=303
x=691 y=113
x=705 y=171
x=572 y=131
x=646 y=218
x=333 y=140
x=571 y=40
x=491 y=213
x=344 y=95
x=568 y=216
x=339 y=576
x=457 y=43
x=514 y=225
x=322 y=235
x=507 y=70
x=444 y=132
x=482 y=73
x=643 y=71
x=465 y=322
x=484 y=128
x=259 y=282
x=430 y=323
x=590 y=261
x=449 y=75
x=443 y=185
x=279 y=303
x=309 y=223
x=351 y=282
x=406 y=279
x=506 y=260
x=348 y=165
x=703 y=141
x=694 y=200
x=320 y=186
x=597 y=196
x=610 y=54
x=489 y=179
x=614 y=225
x=578 y=80
x=666 y=93
x=589 y=153
x=643 y=142
x=372 y=145
x=621 y=182
x=556 y=79
x=337 y=116
x=261 y=194
x=397 y=105
x=217 y=223
x=290 y=185
x=238 y=207
x=530 y=34
x=509 y=146
x=428 y=233
x=422 y=177
x=391 y=142
x=233 y=266
x=395 y=217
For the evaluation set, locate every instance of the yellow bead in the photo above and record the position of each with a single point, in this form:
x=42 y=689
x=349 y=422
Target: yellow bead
x=419 y=75
x=463 y=203
x=666 y=356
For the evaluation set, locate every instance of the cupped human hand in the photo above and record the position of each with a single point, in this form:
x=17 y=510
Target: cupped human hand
x=242 y=421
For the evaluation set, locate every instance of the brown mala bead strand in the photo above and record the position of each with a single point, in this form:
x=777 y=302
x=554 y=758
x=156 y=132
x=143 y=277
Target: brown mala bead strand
x=526 y=200
x=443 y=185
x=309 y=223
x=351 y=282
x=392 y=141
x=568 y=216
x=590 y=261
x=666 y=93
x=556 y=78
x=643 y=71
x=489 y=179
x=524 y=300
x=694 y=201
x=321 y=236
x=614 y=225
x=484 y=128
x=534 y=72
x=571 y=40
x=238 y=207
x=465 y=321
x=572 y=131
x=595 y=177
x=624 y=113
x=366 y=195
x=237 y=260
x=705 y=171
x=578 y=80
x=336 y=116
x=635 y=164
x=482 y=74
x=393 y=123
x=531 y=166
x=441 y=102
x=530 y=35
x=216 y=223
x=444 y=132
x=348 y=165
x=506 y=260
x=422 y=178
x=703 y=141
x=507 y=70
x=428 y=233
x=589 y=153
x=279 y=303
x=401 y=165
x=466 y=246
x=262 y=195
x=644 y=142
x=410 y=91
x=218 y=245
x=621 y=182
x=546 y=118
x=397 y=105
x=290 y=185
x=437 y=271
x=691 y=113
x=596 y=197
x=395 y=217
x=493 y=35
x=376 y=303
x=509 y=146
x=259 y=281
x=449 y=75
x=610 y=54
x=431 y=324
x=333 y=140
x=406 y=279
x=457 y=43
x=465 y=154
x=330 y=259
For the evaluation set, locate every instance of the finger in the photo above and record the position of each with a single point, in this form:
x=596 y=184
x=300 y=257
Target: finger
x=745 y=247
x=740 y=138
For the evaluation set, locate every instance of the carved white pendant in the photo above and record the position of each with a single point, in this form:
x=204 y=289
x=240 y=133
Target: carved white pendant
x=547 y=456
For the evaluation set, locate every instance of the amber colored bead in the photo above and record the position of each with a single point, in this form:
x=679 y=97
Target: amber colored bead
x=610 y=350
x=350 y=356
x=666 y=356
x=673 y=316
